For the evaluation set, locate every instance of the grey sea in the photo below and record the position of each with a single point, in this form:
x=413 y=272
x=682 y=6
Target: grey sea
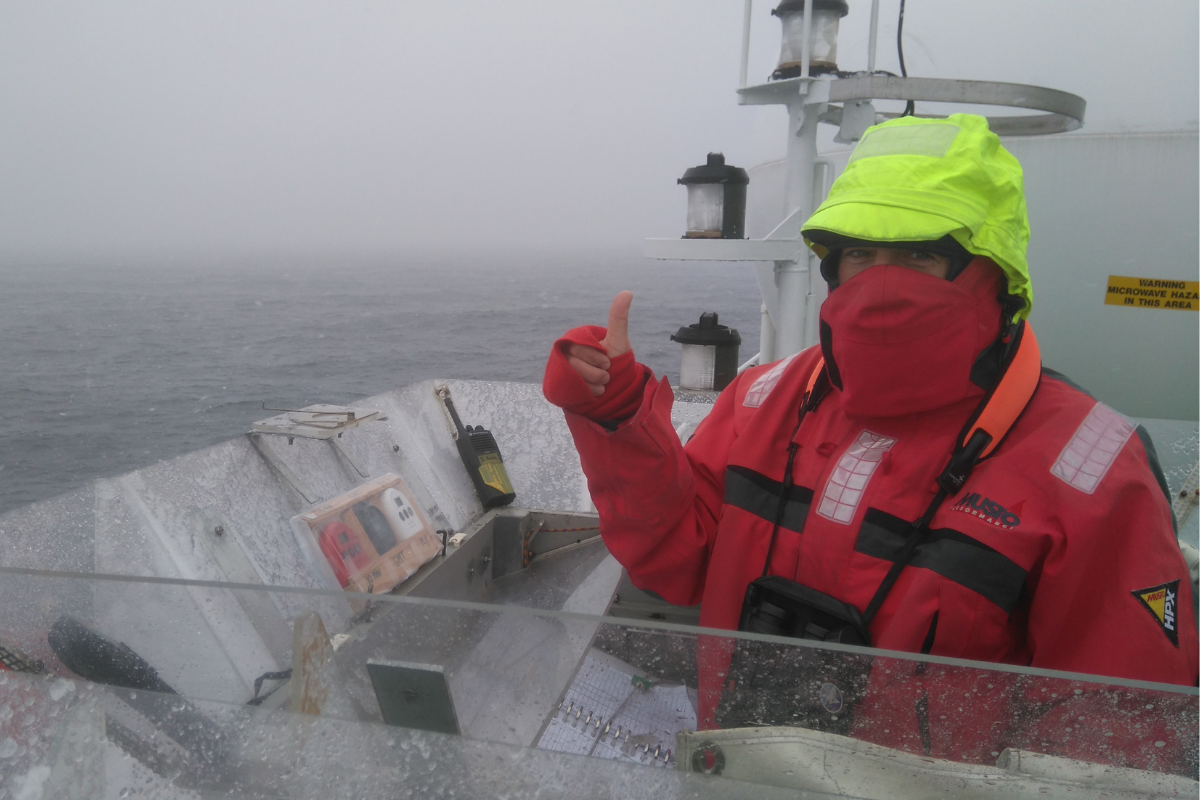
x=105 y=368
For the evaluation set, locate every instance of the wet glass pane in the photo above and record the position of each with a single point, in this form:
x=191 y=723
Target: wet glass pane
x=211 y=686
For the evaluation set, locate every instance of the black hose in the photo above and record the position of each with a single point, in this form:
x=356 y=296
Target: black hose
x=909 y=109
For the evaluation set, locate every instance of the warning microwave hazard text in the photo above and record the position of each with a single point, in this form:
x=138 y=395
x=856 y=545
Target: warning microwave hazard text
x=1152 y=293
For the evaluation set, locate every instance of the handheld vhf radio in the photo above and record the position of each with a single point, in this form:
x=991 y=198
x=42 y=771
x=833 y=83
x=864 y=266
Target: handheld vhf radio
x=481 y=456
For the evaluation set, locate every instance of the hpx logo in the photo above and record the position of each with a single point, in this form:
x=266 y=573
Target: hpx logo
x=987 y=509
x=1161 y=602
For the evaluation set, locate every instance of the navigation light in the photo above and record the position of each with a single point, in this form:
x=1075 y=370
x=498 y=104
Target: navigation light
x=716 y=200
x=822 y=53
x=710 y=354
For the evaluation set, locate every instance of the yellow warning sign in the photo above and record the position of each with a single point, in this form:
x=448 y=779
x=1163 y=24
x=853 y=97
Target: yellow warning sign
x=1152 y=293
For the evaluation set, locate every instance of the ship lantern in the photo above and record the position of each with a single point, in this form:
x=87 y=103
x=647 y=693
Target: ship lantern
x=716 y=200
x=822 y=52
x=710 y=354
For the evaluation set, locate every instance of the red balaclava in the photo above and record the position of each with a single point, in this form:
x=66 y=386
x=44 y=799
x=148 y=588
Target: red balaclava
x=898 y=341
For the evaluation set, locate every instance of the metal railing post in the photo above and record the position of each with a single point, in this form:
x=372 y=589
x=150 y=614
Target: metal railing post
x=746 y=17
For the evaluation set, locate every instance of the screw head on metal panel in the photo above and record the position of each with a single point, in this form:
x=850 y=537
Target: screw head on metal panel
x=708 y=759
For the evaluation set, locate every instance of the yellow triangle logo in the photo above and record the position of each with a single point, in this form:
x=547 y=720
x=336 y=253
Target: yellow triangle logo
x=1162 y=602
x=1156 y=601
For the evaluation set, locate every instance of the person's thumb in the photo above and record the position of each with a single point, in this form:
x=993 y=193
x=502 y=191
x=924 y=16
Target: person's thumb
x=616 y=342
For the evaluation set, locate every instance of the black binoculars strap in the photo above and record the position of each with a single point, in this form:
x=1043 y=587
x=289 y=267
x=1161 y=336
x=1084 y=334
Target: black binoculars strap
x=820 y=388
x=915 y=535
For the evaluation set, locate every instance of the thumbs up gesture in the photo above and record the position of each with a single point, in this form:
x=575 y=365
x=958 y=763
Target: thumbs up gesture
x=592 y=372
x=591 y=364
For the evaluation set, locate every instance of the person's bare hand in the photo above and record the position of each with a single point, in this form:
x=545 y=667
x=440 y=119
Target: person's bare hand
x=591 y=364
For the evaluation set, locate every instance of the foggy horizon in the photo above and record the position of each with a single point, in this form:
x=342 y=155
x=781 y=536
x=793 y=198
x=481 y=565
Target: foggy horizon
x=197 y=131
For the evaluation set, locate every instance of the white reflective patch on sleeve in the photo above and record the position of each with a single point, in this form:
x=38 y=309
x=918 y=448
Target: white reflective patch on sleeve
x=848 y=482
x=763 y=385
x=1085 y=460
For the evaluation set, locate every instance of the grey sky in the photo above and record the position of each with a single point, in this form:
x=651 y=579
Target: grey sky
x=349 y=127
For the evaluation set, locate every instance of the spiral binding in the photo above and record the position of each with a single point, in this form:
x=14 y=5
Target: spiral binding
x=594 y=721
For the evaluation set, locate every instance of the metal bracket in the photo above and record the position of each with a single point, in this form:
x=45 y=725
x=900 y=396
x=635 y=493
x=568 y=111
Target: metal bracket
x=281 y=469
x=414 y=696
x=816 y=91
x=341 y=450
x=856 y=117
x=321 y=421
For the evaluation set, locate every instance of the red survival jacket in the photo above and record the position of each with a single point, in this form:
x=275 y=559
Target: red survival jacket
x=1058 y=552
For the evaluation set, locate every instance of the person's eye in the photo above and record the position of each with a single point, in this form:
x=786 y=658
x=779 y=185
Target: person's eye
x=857 y=252
x=920 y=255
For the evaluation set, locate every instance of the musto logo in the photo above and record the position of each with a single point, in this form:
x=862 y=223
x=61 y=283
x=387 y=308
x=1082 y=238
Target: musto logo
x=987 y=510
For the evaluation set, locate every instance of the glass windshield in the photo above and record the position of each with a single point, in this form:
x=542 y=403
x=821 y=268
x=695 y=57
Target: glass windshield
x=200 y=686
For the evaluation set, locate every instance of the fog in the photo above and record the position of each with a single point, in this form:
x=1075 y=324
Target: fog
x=186 y=128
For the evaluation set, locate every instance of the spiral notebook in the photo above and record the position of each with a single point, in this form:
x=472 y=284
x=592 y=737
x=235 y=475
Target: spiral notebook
x=612 y=710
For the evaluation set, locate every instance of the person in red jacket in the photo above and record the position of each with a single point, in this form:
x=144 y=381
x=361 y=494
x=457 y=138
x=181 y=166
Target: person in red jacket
x=1056 y=550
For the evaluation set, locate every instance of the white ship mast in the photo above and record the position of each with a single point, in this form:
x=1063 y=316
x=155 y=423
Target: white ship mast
x=791 y=296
